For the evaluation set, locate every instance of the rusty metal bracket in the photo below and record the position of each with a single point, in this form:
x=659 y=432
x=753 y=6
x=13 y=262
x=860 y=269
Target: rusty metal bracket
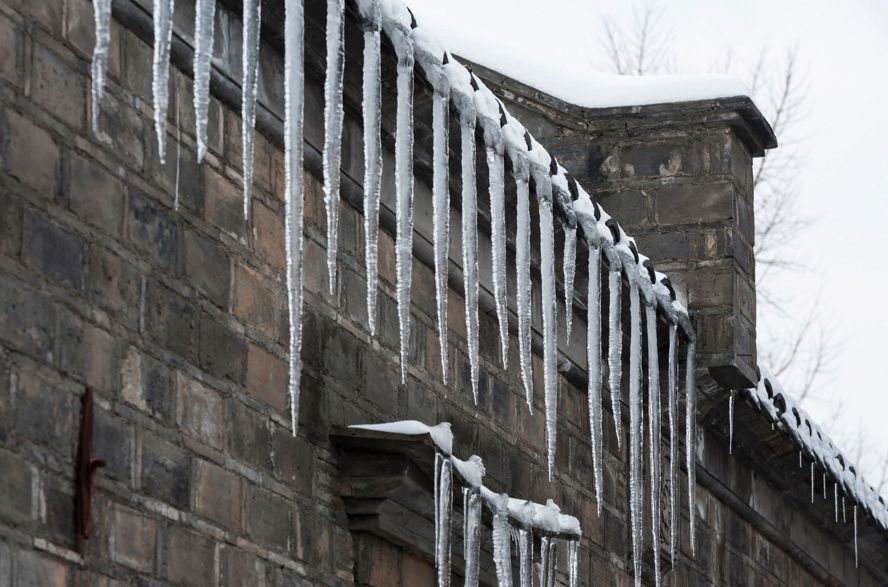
x=86 y=466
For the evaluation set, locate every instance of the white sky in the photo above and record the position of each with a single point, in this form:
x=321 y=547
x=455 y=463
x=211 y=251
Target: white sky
x=842 y=50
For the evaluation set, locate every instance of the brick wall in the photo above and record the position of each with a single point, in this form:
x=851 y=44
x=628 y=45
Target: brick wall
x=176 y=319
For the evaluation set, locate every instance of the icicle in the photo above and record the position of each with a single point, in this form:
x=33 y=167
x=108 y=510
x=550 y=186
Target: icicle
x=163 y=36
x=731 y=423
x=333 y=113
x=547 y=267
x=654 y=431
x=522 y=271
x=544 y=561
x=496 y=176
x=636 y=488
x=99 y=66
x=473 y=537
x=573 y=563
x=673 y=443
x=593 y=365
x=441 y=214
x=615 y=350
x=800 y=459
x=812 y=481
x=178 y=148
x=844 y=515
x=552 y=563
x=294 y=97
x=691 y=441
x=204 y=24
x=570 y=270
x=470 y=241
x=502 y=553
x=404 y=191
x=372 y=156
x=252 y=26
x=437 y=477
x=855 y=535
x=525 y=557
x=824 y=485
x=836 y=501
x=443 y=511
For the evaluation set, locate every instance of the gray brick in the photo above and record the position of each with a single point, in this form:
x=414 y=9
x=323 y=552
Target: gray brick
x=681 y=204
x=200 y=411
x=171 y=320
x=10 y=224
x=113 y=443
x=33 y=569
x=46 y=412
x=223 y=352
x=268 y=519
x=207 y=266
x=147 y=384
x=166 y=472
x=56 y=252
x=95 y=195
x=16 y=500
x=218 y=494
x=293 y=459
x=153 y=230
x=113 y=283
x=27 y=319
x=249 y=438
x=190 y=558
x=132 y=539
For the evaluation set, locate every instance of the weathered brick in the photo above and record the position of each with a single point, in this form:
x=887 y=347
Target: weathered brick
x=153 y=229
x=147 y=384
x=15 y=505
x=267 y=378
x=378 y=562
x=113 y=443
x=96 y=196
x=27 y=319
x=293 y=459
x=190 y=558
x=249 y=438
x=240 y=567
x=60 y=520
x=137 y=61
x=416 y=571
x=679 y=204
x=31 y=155
x=45 y=12
x=9 y=48
x=10 y=224
x=166 y=472
x=224 y=202
x=114 y=284
x=46 y=412
x=88 y=352
x=33 y=569
x=56 y=86
x=207 y=266
x=381 y=381
x=217 y=494
x=123 y=129
x=200 y=411
x=171 y=320
x=254 y=300
x=268 y=518
x=133 y=539
x=56 y=252
x=268 y=235
x=222 y=352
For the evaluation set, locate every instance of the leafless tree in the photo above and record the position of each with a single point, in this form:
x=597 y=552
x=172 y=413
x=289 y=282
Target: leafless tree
x=801 y=355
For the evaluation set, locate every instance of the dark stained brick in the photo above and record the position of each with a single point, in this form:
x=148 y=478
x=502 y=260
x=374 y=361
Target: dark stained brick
x=56 y=252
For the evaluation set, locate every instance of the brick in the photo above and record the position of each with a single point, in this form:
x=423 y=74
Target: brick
x=268 y=235
x=343 y=357
x=249 y=438
x=27 y=320
x=224 y=202
x=190 y=558
x=382 y=381
x=31 y=155
x=180 y=165
x=629 y=207
x=222 y=351
x=268 y=518
x=10 y=224
x=293 y=459
x=16 y=501
x=416 y=571
x=254 y=301
x=240 y=567
x=378 y=562
x=153 y=230
x=267 y=378
x=693 y=203
x=171 y=320
x=46 y=412
x=200 y=411
x=59 y=521
x=57 y=253
x=123 y=129
x=88 y=352
x=218 y=495
x=113 y=443
x=166 y=472
x=57 y=87
x=207 y=266
x=47 y=13
x=147 y=384
x=33 y=569
x=96 y=196
x=9 y=48
x=137 y=62
x=133 y=539
x=114 y=284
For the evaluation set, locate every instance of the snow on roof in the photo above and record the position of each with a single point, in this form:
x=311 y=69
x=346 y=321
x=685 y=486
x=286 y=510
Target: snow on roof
x=783 y=410
x=571 y=80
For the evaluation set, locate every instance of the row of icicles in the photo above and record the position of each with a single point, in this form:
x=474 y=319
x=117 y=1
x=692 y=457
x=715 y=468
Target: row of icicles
x=503 y=135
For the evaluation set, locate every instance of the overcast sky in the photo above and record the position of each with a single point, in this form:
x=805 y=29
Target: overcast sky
x=842 y=52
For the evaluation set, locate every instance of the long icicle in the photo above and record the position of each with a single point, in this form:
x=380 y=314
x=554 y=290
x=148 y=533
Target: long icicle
x=502 y=553
x=372 y=155
x=522 y=273
x=404 y=191
x=636 y=487
x=570 y=271
x=525 y=557
x=444 y=513
x=163 y=37
x=496 y=176
x=99 y=65
x=731 y=424
x=294 y=27
x=333 y=114
x=204 y=25
x=615 y=349
x=547 y=267
x=473 y=538
x=573 y=563
x=441 y=212
x=470 y=241
x=691 y=442
x=250 y=88
x=545 y=543
x=593 y=361
x=654 y=430
x=673 y=443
